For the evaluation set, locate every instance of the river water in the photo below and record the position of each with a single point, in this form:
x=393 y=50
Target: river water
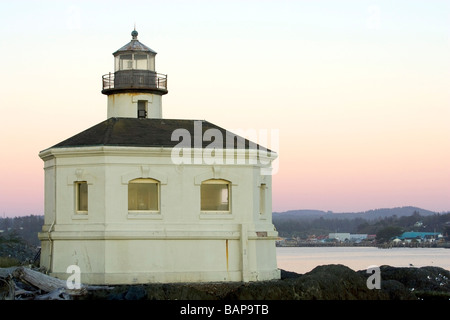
x=304 y=259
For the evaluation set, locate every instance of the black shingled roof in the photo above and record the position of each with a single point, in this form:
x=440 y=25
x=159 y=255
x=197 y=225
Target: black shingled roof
x=135 y=132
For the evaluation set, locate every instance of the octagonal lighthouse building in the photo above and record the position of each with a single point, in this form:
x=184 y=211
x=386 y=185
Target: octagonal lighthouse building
x=138 y=198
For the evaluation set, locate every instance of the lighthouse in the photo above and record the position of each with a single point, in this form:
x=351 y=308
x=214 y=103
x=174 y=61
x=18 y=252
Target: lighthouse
x=135 y=89
x=138 y=198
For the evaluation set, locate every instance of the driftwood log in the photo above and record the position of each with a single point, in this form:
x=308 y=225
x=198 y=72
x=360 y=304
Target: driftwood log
x=45 y=282
x=6 y=272
x=7 y=289
x=46 y=287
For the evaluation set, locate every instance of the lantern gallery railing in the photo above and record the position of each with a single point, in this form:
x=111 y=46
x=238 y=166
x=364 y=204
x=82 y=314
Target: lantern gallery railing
x=140 y=79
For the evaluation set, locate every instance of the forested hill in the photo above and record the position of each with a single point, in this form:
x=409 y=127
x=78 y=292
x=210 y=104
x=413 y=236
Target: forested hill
x=303 y=223
x=366 y=215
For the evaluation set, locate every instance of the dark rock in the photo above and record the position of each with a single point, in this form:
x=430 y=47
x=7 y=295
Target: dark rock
x=330 y=282
x=136 y=293
x=423 y=283
x=182 y=291
x=264 y=290
x=335 y=282
x=118 y=294
x=289 y=274
x=396 y=290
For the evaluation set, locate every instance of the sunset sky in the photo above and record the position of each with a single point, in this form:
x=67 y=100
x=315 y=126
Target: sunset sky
x=358 y=91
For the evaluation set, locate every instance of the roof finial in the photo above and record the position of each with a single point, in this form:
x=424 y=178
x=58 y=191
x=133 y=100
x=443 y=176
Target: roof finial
x=134 y=33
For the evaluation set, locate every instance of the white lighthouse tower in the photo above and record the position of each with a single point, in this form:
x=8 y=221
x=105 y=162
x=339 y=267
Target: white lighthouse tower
x=119 y=207
x=135 y=89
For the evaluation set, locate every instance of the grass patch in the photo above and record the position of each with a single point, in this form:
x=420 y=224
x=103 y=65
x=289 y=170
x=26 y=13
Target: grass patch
x=6 y=262
x=433 y=295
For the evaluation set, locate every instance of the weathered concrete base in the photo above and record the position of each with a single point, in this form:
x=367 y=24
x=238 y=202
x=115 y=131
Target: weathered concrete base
x=168 y=277
x=105 y=258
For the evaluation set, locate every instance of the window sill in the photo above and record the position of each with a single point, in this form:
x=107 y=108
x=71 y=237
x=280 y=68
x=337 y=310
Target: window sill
x=156 y=215
x=82 y=215
x=216 y=215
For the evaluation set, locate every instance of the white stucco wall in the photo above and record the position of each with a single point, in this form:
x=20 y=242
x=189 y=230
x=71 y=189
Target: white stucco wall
x=125 y=105
x=179 y=243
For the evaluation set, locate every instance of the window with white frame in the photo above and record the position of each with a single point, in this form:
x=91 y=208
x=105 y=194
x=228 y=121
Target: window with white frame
x=215 y=195
x=262 y=199
x=143 y=195
x=81 y=189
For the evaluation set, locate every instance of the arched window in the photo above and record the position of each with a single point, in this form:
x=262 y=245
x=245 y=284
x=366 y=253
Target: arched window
x=215 y=195
x=143 y=195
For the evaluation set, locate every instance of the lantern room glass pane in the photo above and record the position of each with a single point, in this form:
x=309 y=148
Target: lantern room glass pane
x=116 y=63
x=141 y=61
x=151 y=63
x=126 y=62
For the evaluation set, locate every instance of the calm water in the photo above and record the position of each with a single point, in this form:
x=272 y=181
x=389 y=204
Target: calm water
x=304 y=259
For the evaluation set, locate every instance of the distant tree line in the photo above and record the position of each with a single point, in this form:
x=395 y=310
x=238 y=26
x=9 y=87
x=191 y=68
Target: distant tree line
x=24 y=229
x=385 y=228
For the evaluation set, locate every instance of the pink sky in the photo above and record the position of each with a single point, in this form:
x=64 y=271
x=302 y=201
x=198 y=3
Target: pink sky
x=358 y=92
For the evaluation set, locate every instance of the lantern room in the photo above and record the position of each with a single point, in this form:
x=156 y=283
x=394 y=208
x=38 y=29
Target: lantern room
x=134 y=69
x=134 y=89
x=134 y=56
x=134 y=61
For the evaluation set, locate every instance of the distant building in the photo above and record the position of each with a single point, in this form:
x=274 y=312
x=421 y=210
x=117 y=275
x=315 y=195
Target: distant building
x=357 y=237
x=345 y=236
x=420 y=236
x=287 y=242
x=339 y=236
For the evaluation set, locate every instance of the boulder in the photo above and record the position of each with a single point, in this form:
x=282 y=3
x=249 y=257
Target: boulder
x=423 y=283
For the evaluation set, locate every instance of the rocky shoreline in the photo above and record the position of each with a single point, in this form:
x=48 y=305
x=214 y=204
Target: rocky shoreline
x=327 y=282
